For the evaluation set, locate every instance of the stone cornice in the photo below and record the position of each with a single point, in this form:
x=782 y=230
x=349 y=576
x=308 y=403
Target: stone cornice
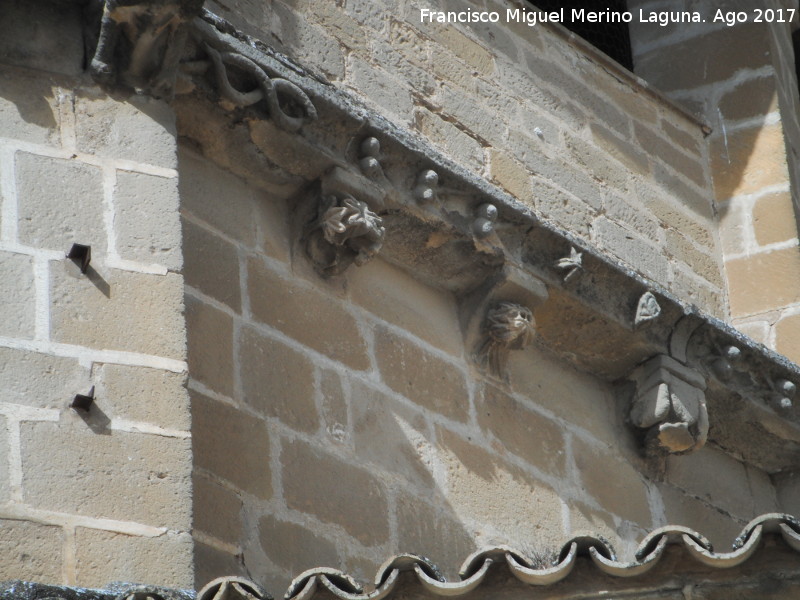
x=454 y=230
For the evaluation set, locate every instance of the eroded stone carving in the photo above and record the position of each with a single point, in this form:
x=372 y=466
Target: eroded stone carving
x=723 y=364
x=485 y=217
x=344 y=232
x=647 y=310
x=140 y=42
x=572 y=264
x=289 y=106
x=783 y=393
x=669 y=402
x=508 y=326
x=425 y=190
x=232 y=588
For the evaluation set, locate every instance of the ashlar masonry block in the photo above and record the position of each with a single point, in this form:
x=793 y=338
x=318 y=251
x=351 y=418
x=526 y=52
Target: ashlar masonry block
x=31 y=551
x=17 y=295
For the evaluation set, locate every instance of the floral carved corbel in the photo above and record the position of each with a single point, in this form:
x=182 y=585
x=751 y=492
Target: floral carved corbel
x=345 y=231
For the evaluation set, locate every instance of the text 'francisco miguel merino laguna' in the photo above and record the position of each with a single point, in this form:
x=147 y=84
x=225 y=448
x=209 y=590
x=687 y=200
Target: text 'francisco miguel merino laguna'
x=532 y=17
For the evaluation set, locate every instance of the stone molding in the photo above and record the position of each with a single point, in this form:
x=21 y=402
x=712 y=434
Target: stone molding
x=456 y=231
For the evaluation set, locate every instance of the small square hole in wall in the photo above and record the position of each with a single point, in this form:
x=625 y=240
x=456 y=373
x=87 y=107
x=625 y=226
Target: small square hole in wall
x=610 y=36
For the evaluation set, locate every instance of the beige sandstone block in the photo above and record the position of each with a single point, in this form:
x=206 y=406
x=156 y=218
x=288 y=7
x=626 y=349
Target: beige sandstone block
x=105 y=473
x=714 y=477
x=511 y=506
x=295 y=548
x=450 y=139
x=5 y=459
x=774 y=219
x=685 y=135
x=210 y=563
x=735 y=227
x=532 y=437
x=305 y=314
x=140 y=129
x=210 y=346
x=689 y=511
x=146 y=219
x=340 y=25
x=749 y=277
x=142 y=394
x=641 y=255
x=211 y=265
x=216 y=509
x=673 y=214
x=334 y=405
x=29 y=107
x=701 y=261
x=40 y=380
x=747 y=160
x=391 y=437
x=393 y=295
x=104 y=556
x=468 y=50
x=277 y=381
x=307 y=42
x=487 y=122
x=17 y=295
x=31 y=552
x=113 y=309
x=217 y=197
x=380 y=88
x=435 y=532
x=353 y=498
x=628 y=154
x=616 y=485
x=697 y=198
x=787 y=337
x=60 y=203
x=511 y=175
x=662 y=149
x=232 y=445
x=751 y=98
x=420 y=376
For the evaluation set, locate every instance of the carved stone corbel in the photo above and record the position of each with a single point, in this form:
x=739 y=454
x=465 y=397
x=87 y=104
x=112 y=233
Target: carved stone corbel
x=498 y=317
x=139 y=42
x=669 y=402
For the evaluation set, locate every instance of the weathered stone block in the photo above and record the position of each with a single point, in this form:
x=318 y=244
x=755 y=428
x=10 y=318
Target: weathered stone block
x=104 y=556
x=689 y=511
x=752 y=98
x=140 y=129
x=216 y=509
x=211 y=265
x=142 y=394
x=117 y=310
x=309 y=43
x=148 y=476
x=468 y=50
x=420 y=376
x=334 y=405
x=210 y=346
x=433 y=532
x=41 y=380
x=661 y=149
x=511 y=175
x=625 y=152
x=305 y=314
x=735 y=227
x=295 y=548
x=353 y=498
x=28 y=106
x=697 y=199
x=380 y=88
x=483 y=121
x=624 y=493
x=746 y=160
x=477 y=480
x=716 y=478
x=210 y=563
x=685 y=135
x=395 y=296
x=232 y=445
x=217 y=197
x=530 y=435
x=31 y=551
x=146 y=219
x=450 y=139
x=390 y=436
x=60 y=203
x=17 y=295
x=277 y=381
x=702 y=261
x=774 y=218
x=749 y=277
x=632 y=249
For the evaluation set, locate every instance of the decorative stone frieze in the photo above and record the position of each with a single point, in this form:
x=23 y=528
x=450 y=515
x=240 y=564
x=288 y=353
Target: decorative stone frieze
x=139 y=42
x=232 y=588
x=669 y=402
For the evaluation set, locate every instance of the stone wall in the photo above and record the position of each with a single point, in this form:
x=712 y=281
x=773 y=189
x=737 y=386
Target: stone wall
x=742 y=80
x=88 y=497
x=553 y=123
x=338 y=422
